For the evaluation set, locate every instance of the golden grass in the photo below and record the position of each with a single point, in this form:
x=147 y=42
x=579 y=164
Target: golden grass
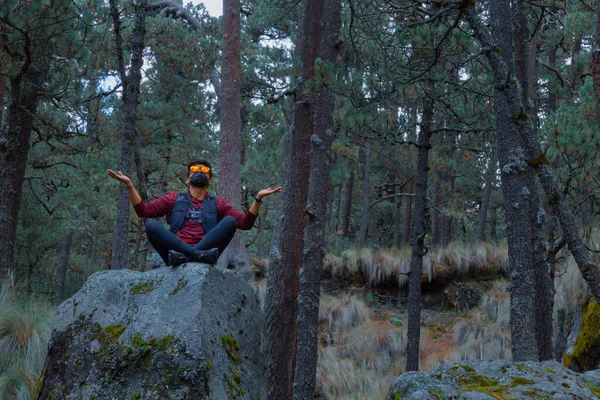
x=358 y=356
x=457 y=259
x=484 y=333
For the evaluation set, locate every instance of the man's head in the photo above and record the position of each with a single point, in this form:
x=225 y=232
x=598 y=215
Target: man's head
x=199 y=173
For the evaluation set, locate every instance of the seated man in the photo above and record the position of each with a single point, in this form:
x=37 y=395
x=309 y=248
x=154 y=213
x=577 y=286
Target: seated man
x=201 y=226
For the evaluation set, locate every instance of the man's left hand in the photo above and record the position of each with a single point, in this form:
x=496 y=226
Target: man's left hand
x=267 y=192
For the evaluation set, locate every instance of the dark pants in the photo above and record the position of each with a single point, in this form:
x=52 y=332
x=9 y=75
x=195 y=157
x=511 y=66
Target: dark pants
x=164 y=240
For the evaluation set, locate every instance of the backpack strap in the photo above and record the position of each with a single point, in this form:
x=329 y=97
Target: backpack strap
x=209 y=209
x=180 y=208
x=207 y=216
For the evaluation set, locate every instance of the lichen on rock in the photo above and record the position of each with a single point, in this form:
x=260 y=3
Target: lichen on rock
x=498 y=379
x=129 y=335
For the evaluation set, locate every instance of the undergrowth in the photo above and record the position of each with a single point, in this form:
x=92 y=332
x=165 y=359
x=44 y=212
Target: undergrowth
x=456 y=260
x=25 y=326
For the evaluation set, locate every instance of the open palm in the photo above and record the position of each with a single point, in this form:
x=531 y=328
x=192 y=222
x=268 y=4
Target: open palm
x=120 y=177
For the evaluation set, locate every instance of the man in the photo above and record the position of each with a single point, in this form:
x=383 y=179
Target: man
x=201 y=226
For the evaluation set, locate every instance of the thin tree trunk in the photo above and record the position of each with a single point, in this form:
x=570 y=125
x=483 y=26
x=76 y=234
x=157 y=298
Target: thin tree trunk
x=65 y=249
x=436 y=218
x=366 y=212
x=418 y=238
x=485 y=200
x=398 y=220
x=143 y=192
x=14 y=149
x=131 y=93
x=315 y=241
x=92 y=243
x=329 y=216
x=164 y=182
x=281 y=307
x=347 y=196
x=407 y=217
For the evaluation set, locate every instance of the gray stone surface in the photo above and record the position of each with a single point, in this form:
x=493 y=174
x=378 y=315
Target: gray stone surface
x=194 y=332
x=482 y=380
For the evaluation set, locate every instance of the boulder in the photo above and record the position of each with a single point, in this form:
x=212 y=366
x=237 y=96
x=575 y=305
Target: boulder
x=479 y=380
x=583 y=347
x=194 y=332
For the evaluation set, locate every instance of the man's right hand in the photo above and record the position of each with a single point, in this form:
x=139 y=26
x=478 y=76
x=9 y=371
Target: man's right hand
x=120 y=177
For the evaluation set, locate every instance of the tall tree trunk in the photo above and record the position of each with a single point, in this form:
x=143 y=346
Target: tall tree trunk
x=418 y=238
x=131 y=93
x=14 y=149
x=281 y=308
x=65 y=249
x=525 y=50
x=230 y=182
x=485 y=200
x=366 y=214
x=347 y=198
x=315 y=241
x=520 y=203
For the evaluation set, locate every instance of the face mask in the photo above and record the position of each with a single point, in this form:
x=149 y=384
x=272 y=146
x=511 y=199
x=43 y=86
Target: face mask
x=199 y=180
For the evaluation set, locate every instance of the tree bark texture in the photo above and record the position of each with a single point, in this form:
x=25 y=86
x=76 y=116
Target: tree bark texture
x=230 y=182
x=535 y=157
x=65 y=249
x=418 y=238
x=315 y=239
x=131 y=93
x=281 y=307
x=544 y=285
x=520 y=203
x=14 y=148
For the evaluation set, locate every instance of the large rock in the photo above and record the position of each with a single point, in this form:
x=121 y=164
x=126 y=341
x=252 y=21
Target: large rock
x=583 y=344
x=479 y=380
x=189 y=333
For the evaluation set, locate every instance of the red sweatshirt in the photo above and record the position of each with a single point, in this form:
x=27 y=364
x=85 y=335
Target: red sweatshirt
x=192 y=232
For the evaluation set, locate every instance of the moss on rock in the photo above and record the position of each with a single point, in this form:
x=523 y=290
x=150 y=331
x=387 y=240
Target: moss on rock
x=586 y=353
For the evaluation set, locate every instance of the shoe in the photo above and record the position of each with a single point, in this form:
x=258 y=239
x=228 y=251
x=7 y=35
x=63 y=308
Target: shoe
x=176 y=258
x=206 y=256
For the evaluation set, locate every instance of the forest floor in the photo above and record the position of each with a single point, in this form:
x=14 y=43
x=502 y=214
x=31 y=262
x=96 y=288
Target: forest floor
x=364 y=350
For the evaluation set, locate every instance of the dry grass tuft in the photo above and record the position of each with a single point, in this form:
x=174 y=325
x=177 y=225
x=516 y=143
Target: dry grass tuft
x=484 y=334
x=457 y=259
x=25 y=327
x=260 y=288
x=359 y=356
x=571 y=288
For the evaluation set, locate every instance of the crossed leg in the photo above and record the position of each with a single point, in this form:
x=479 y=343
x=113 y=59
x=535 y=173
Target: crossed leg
x=164 y=240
